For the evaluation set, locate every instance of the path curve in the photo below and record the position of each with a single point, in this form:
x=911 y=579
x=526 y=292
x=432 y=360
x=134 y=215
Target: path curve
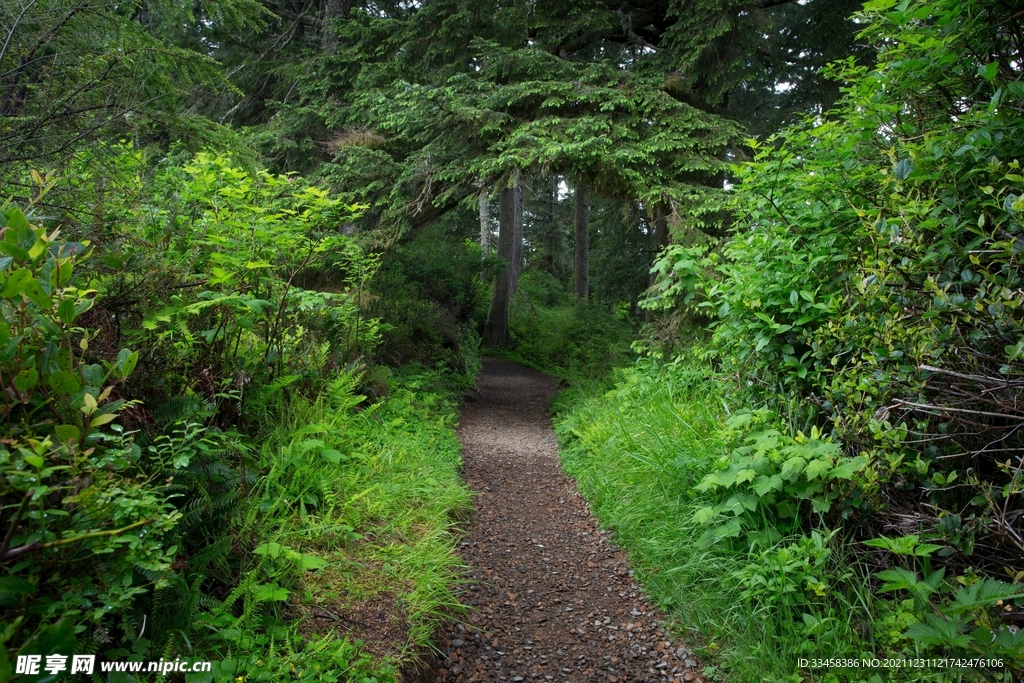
x=551 y=599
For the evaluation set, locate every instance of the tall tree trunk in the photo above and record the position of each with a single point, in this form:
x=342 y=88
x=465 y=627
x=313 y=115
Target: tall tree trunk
x=485 y=231
x=496 y=329
x=659 y=233
x=517 y=234
x=549 y=235
x=333 y=9
x=581 y=269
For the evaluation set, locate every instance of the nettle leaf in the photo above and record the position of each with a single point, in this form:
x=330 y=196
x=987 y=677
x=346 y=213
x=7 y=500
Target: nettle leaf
x=312 y=562
x=793 y=467
x=849 y=467
x=763 y=484
x=705 y=515
x=897 y=579
x=271 y=592
x=818 y=468
x=271 y=549
x=332 y=455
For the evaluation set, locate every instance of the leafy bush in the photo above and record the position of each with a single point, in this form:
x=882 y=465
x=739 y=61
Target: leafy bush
x=660 y=469
x=868 y=297
x=72 y=489
x=248 y=491
x=429 y=298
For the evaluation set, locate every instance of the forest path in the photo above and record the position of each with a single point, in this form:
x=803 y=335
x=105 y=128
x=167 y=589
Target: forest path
x=551 y=599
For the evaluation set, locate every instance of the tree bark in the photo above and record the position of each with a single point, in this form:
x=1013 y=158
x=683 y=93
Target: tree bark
x=496 y=329
x=549 y=235
x=659 y=233
x=517 y=234
x=333 y=9
x=485 y=231
x=659 y=240
x=581 y=263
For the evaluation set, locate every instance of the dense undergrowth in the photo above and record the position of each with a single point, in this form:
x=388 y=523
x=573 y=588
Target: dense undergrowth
x=550 y=333
x=201 y=459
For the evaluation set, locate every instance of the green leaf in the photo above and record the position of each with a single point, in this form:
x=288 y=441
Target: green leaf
x=26 y=380
x=101 y=420
x=817 y=468
x=126 y=362
x=14 y=251
x=897 y=579
x=34 y=291
x=312 y=562
x=13 y=589
x=903 y=169
x=271 y=592
x=849 y=467
x=67 y=433
x=15 y=283
x=66 y=311
x=271 y=549
x=63 y=383
x=16 y=222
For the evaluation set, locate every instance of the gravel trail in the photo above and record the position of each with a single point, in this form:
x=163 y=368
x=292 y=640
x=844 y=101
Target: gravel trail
x=551 y=599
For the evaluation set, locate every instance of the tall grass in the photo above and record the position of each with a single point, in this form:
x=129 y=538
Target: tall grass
x=638 y=452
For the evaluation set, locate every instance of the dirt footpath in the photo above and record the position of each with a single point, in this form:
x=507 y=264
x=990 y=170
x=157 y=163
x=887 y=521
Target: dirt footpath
x=551 y=598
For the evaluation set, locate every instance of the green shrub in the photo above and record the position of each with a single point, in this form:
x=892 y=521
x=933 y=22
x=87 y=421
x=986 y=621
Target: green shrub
x=86 y=528
x=868 y=297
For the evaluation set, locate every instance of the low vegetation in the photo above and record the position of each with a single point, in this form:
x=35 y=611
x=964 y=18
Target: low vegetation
x=835 y=471
x=228 y=492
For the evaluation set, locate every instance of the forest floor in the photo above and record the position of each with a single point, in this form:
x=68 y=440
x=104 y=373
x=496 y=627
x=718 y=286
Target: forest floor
x=550 y=597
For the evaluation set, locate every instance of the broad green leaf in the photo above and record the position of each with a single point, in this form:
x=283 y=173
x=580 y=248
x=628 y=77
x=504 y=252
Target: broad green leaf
x=101 y=420
x=271 y=549
x=66 y=311
x=26 y=380
x=271 y=592
x=312 y=562
x=67 y=433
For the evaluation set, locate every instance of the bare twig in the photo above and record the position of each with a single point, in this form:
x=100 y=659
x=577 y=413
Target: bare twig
x=941 y=409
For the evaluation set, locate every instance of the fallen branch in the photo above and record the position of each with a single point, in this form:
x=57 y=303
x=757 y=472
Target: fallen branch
x=925 y=406
x=33 y=547
x=981 y=379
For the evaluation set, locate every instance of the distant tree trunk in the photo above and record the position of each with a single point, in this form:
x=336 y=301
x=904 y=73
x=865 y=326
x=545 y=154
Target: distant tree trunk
x=549 y=235
x=581 y=269
x=659 y=233
x=517 y=234
x=333 y=9
x=485 y=231
x=659 y=240
x=496 y=329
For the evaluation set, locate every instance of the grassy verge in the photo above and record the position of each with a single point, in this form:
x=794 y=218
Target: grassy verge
x=756 y=604
x=637 y=451
x=352 y=540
